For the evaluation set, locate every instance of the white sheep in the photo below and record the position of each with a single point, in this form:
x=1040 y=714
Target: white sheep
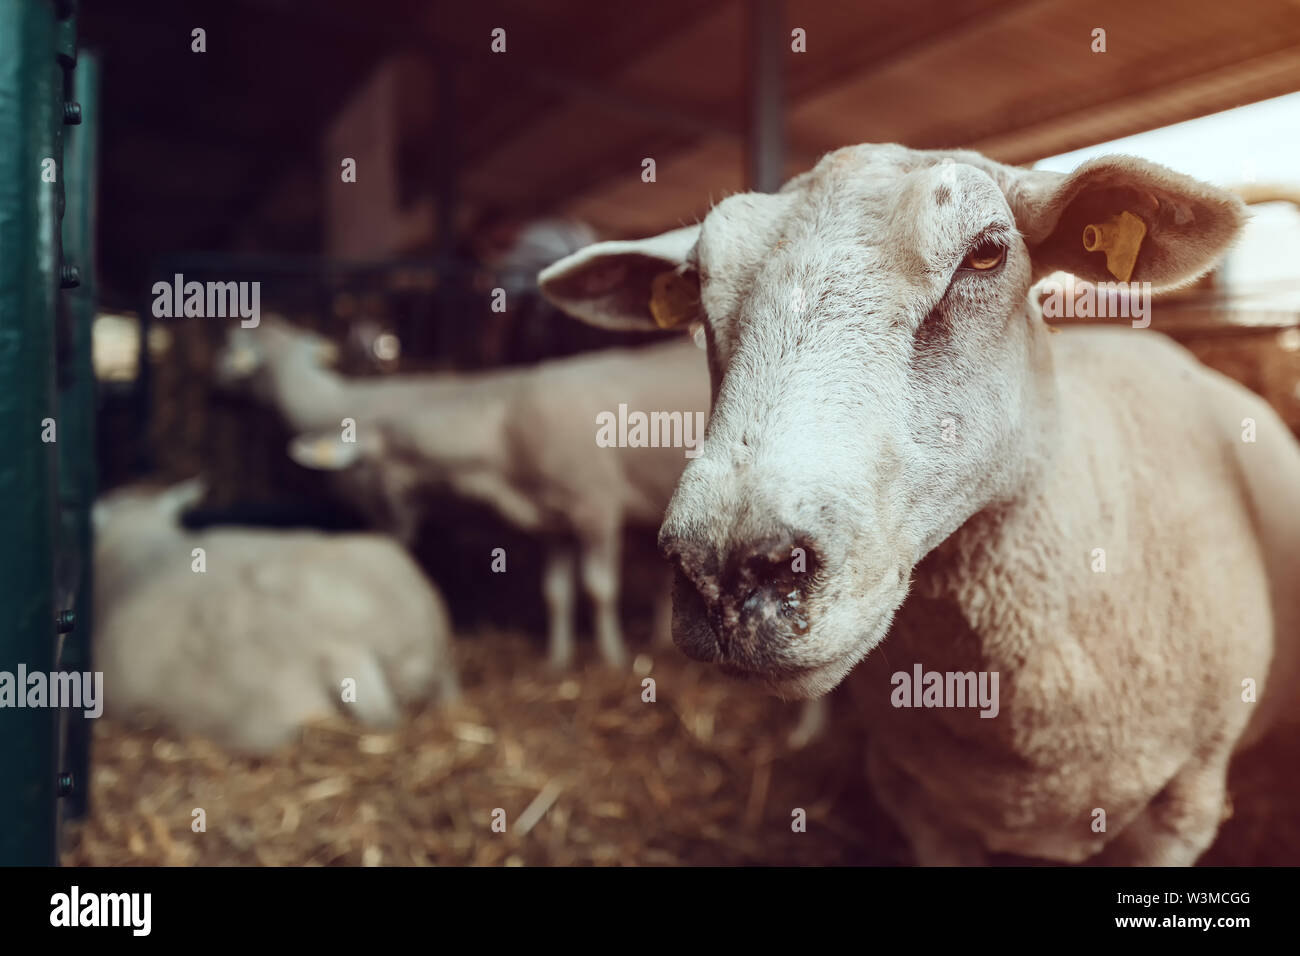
x=254 y=635
x=1090 y=527
x=523 y=441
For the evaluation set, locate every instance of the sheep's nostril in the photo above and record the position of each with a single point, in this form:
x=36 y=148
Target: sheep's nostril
x=737 y=602
x=696 y=565
x=772 y=577
x=694 y=628
x=777 y=592
x=774 y=561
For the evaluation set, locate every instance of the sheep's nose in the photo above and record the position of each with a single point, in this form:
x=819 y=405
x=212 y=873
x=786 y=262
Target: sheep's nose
x=751 y=595
x=769 y=575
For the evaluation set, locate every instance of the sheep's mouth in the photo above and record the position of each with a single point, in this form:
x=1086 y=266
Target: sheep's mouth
x=769 y=675
x=790 y=682
x=767 y=647
x=776 y=680
x=773 y=657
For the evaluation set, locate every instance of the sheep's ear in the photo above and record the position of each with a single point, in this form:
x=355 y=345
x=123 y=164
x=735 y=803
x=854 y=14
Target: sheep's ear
x=327 y=451
x=1119 y=218
x=613 y=284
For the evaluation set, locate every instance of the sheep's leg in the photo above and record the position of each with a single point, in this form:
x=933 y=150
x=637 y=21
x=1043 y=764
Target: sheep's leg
x=661 y=628
x=600 y=569
x=448 y=685
x=1179 y=823
x=558 y=591
x=813 y=717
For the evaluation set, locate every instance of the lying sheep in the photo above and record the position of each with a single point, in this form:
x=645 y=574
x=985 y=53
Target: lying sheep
x=901 y=456
x=522 y=441
x=262 y=639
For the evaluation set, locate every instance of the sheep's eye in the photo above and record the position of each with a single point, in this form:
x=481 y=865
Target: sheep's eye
x=985 y=256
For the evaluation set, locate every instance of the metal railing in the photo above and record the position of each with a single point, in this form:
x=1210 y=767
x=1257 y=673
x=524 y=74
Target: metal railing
x=46 y=412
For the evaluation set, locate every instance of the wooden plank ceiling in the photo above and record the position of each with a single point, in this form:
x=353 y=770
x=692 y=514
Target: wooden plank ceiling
x=221 y=151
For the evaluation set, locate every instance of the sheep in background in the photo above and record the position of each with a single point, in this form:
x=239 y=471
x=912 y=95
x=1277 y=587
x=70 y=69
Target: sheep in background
x=522 y=441
x=450 y=432
x=260 y=642
x=527 y=331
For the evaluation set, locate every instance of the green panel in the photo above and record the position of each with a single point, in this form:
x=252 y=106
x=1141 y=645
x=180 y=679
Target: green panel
x=31 y=104
x=77 y=412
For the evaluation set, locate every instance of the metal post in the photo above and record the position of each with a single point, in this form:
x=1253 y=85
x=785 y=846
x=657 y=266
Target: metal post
x=142 y=388
x=766 y=133
x=449 y=335
x=31 y=117
x=77 y=415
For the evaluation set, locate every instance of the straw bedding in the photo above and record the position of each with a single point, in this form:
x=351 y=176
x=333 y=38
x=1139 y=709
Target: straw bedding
x=585 y=771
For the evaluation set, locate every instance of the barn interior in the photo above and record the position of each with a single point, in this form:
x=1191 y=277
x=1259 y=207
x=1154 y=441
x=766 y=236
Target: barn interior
x=485 y=140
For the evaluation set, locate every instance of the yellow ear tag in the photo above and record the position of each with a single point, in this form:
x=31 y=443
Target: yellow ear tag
x=1120 y=237
x=673 y=299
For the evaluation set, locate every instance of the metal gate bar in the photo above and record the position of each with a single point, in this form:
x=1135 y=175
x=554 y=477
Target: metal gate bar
x=37 y=49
